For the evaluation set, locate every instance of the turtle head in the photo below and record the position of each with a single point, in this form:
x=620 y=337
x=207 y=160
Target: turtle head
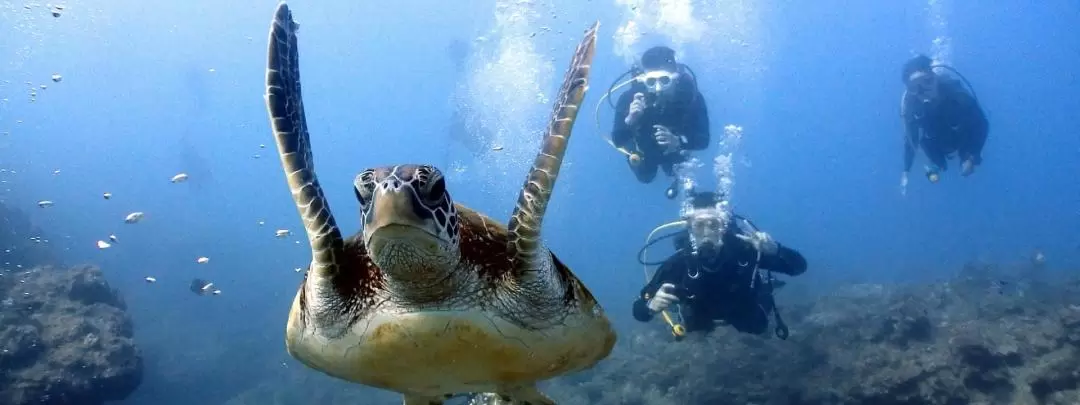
x=410 y=223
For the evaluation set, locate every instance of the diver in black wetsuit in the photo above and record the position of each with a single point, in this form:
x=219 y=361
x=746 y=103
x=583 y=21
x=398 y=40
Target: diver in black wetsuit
x=661 y=117
x=940 y=117
x=721 y=271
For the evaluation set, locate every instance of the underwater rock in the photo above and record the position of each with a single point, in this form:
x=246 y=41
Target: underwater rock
x=949 y=343
x=65 y=338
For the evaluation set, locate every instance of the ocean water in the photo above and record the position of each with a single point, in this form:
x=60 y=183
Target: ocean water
x=119 y=96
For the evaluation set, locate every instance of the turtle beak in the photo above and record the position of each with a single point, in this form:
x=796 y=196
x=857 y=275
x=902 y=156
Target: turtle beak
x=397 y=218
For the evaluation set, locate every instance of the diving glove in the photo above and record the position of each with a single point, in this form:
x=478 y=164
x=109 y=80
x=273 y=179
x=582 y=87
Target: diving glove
x=667 y=139
x=762 y=241
x=637 y=107
x=664 y=297
x=967 y=167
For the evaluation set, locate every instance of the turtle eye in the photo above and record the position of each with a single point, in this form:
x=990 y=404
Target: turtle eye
x=363 y=187
x=436 y=190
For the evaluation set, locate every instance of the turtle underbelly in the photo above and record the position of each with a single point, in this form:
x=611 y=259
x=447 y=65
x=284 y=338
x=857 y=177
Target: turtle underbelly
x=435 y=353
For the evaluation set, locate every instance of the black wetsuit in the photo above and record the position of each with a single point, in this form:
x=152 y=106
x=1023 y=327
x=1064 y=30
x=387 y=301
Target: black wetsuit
x=955 y=123
x=718 y=288
x=684 y=114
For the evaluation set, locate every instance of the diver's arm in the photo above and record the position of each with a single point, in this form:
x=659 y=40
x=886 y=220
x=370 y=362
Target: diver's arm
x=911 y=135
x=786 y=260
x=663 y=275
x=696 y=136
x=909 y=153
x=975 y=121
x=622 y=134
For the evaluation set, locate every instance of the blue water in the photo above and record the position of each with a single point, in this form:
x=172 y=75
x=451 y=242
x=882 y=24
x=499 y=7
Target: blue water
x=151 y=89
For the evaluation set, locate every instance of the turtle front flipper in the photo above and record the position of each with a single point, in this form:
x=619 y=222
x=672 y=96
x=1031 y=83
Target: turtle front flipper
x=524 y=228
x=285 y=104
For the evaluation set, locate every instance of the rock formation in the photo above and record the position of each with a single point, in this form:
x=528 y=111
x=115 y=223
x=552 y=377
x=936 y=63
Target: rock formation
x=973 y=340
x=65 y=337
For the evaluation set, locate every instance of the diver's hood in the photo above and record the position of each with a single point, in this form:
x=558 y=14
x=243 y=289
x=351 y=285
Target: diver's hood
x=680 y=229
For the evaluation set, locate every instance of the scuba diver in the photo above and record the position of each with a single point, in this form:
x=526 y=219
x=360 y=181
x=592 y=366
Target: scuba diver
x=661 y=117
x=721 y=271
x=941 y=117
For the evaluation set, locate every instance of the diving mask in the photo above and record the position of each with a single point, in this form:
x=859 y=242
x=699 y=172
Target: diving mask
x=923 y=86
x=658 y=81
x=707 y=227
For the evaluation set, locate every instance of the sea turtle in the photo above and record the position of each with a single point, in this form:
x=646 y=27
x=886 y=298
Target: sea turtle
x=433 y=299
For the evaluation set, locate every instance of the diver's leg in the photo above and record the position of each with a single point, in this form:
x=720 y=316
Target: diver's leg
x=970 y=150
x=752 y=319
x=645 y=169
x=935 y=153
x=668 y=166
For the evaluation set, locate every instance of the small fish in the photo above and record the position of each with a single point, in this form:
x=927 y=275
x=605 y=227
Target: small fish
x=202 y=260
x=150 y=280
x=1038 y=258
x=281 y=233
x=56 y=78
x=298 y=269
x=203 y=287
x=106 y=196
x=45 y=203
x=113 y=239
x=179 y=178
x=134 y=217
x=497 y=148
x=103 y=244
x=261 y=223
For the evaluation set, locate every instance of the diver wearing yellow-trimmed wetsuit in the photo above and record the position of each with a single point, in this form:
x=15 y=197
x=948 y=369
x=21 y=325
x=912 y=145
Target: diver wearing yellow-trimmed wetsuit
x=725 y=276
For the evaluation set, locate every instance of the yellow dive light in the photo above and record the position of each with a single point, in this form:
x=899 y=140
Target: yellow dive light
x=676 y=329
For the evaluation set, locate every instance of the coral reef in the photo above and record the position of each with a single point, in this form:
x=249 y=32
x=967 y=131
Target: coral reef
x=972 y=340
x=65 y=336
